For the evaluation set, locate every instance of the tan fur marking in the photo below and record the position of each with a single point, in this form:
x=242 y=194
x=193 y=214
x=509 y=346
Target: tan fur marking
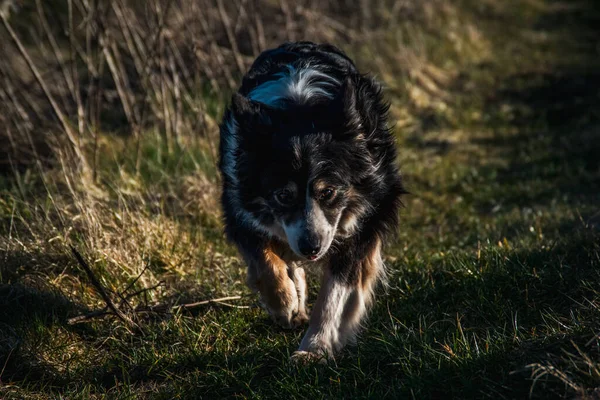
x=371 y=267
x=351 y=193
x=349 y=219
x=347 y=223
x=274 y=284
x=319 y=185
x=358 y=304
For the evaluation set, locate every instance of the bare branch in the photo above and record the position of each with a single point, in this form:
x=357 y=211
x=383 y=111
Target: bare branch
x=101 y=290
x=158 y=308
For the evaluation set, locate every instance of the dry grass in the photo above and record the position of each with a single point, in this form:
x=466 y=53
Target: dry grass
x=136 y=91
x=108 y=119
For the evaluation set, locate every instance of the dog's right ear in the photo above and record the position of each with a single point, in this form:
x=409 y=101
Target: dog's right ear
x=241 y=104
x=252 y=116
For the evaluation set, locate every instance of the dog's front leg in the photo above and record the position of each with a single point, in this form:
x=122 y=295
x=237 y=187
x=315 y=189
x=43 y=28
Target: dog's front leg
x=323 y=336
x=282 y=288
x=299 y=277
x=342 y=303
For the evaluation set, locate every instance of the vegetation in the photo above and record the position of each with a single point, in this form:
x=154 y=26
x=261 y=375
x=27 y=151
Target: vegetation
x=494 y=287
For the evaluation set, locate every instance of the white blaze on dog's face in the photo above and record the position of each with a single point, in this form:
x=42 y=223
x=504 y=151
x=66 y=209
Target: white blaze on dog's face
x=310 y=234
x=310 y=219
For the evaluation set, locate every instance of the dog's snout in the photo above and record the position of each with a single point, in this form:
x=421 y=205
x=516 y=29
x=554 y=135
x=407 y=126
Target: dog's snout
x=309 y=245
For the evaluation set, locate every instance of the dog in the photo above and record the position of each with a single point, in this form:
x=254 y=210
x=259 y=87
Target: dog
x=309 y=174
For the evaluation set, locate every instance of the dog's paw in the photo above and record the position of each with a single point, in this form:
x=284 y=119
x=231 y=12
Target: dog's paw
x=301 y=357
x=284 y=321
x=300 y=320
x=293 y=321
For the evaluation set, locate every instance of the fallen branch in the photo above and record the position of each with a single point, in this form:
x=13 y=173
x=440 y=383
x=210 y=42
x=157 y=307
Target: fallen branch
x=112 y=309
x=158 y=308
x=101 y=290
x=211 y=301
x=84 y=317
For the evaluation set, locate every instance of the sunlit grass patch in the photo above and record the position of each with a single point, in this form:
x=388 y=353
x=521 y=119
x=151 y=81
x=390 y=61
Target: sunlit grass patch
x=494 y=278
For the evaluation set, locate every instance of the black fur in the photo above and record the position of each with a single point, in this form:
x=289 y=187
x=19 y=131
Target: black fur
x=345 y=140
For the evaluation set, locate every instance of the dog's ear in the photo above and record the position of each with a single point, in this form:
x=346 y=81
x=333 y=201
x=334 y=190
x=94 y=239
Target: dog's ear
x=251 y=115
x=360 y=103
x=344 y=106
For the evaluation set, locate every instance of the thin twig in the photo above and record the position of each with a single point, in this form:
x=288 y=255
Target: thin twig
x=101 y=290
x=187 y=306
x=84 y=317
x=231 y=305
x=138 y=292
x=136 y=278
x=158 y=308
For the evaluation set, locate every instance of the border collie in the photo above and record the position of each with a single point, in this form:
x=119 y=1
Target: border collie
x=310 y=177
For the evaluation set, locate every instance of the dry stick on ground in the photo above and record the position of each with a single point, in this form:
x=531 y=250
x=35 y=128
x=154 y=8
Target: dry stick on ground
x=221 y=300
x=158 y=308
x=84 y=317
x=101 y=290
x=111 y=308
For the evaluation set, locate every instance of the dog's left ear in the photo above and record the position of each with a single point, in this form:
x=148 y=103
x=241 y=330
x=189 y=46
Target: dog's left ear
x=359 y=102
x=343 y=106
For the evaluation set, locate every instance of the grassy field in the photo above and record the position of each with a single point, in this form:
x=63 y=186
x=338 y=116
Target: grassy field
x=494 y=287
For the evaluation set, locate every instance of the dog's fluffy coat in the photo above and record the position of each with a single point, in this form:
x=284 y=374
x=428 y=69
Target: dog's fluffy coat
x=309 y=175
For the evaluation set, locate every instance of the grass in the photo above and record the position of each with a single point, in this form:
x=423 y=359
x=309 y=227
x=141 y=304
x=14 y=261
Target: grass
x=494 y=286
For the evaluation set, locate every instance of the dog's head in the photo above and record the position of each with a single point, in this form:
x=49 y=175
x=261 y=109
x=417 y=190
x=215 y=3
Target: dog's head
x=302 y=173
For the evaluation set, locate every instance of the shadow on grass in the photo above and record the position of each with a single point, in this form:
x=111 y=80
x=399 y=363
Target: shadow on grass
x=40 y=350
x=556 y=115
x=28 y=310
x=503 y=282
x=515 y=308
x=554 y=157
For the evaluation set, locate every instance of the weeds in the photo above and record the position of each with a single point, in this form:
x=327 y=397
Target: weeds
x=109 y=129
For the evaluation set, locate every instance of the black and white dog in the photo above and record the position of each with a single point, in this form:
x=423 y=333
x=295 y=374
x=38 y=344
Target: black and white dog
x=310 y=176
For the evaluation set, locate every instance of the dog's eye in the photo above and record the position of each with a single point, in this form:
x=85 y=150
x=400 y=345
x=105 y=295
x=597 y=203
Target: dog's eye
x=284 y=196
x=327 y=194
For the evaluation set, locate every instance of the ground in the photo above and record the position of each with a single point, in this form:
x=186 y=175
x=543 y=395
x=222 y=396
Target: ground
x=494 y=277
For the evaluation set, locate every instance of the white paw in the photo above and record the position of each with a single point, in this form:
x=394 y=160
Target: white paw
x=301 y=357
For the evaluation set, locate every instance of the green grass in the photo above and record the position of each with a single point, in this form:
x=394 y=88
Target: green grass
x=494 y=276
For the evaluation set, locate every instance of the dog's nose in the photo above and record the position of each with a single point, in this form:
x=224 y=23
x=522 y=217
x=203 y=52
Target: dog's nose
x=309 y=247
